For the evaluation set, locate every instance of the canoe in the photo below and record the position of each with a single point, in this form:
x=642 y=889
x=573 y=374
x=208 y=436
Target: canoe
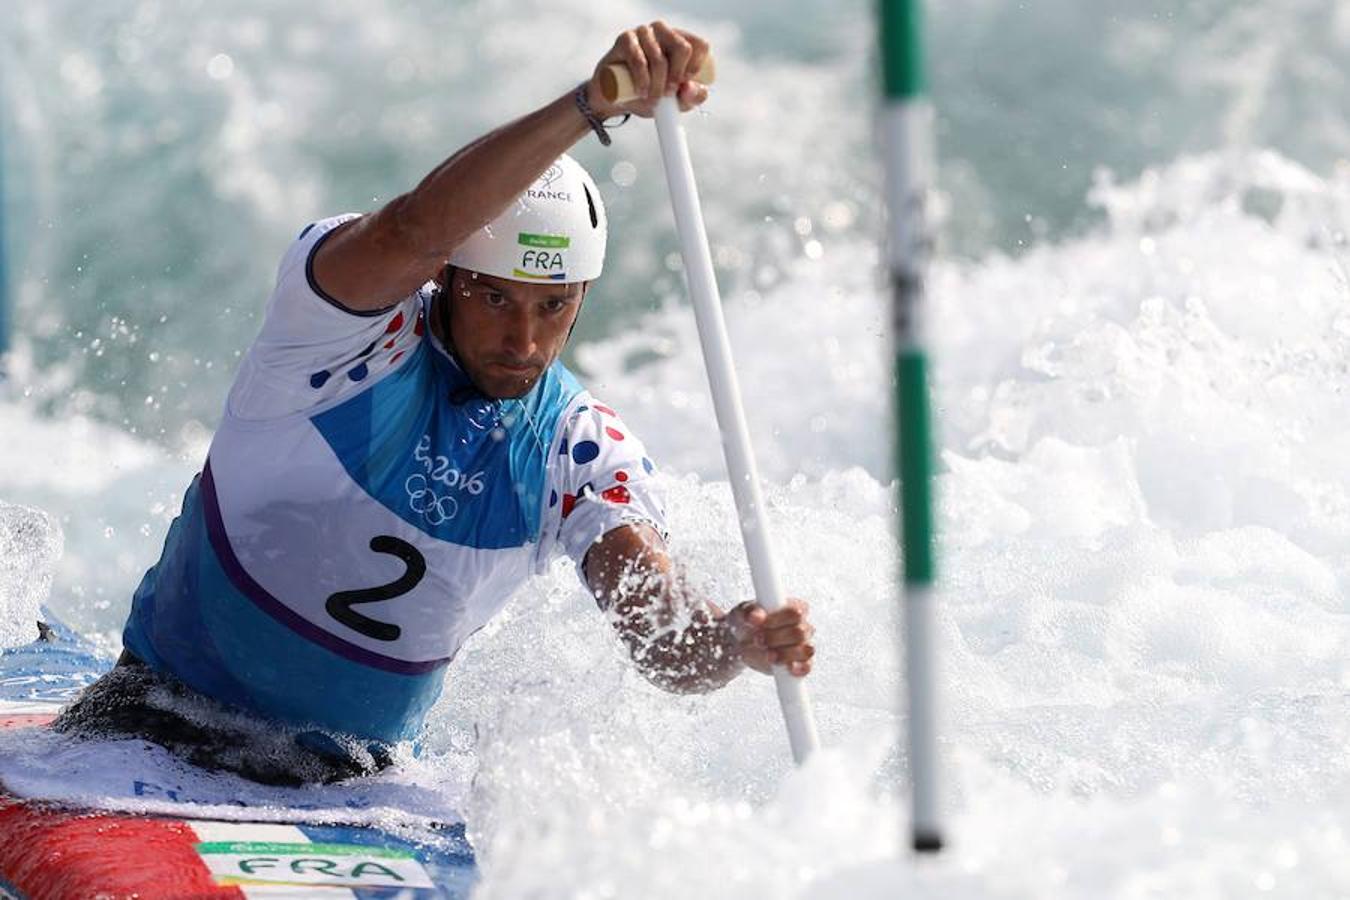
x=53 y=850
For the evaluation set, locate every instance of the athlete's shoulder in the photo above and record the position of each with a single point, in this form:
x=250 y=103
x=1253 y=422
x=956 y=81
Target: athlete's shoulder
x=302 y=247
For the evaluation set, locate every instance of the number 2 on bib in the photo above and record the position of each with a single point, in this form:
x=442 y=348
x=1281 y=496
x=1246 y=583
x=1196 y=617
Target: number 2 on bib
x=340 y=605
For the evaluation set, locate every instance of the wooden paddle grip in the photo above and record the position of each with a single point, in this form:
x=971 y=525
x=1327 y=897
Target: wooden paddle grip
x=616 y=82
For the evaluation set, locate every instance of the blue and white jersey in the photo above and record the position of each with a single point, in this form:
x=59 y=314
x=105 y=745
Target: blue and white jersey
x=363 y=510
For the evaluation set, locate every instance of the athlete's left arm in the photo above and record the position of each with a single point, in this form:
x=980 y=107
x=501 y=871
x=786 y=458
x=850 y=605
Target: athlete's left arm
x=680 y=641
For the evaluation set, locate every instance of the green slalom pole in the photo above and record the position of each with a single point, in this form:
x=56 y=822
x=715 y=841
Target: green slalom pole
x=907 y=127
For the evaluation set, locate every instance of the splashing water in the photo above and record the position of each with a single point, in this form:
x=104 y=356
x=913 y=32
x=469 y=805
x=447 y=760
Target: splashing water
x=1141 y=404
x=1143 y=627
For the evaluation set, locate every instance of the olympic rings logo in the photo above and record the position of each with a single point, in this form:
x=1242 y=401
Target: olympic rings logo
x=424 y=501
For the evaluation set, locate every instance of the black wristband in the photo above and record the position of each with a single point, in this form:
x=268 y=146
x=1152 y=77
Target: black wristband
x=597 y=124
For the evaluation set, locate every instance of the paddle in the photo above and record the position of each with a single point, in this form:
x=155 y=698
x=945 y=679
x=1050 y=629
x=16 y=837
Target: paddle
x=712 y=331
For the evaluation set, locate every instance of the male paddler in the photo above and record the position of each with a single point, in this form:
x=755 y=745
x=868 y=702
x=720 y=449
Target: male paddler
x=400 y=450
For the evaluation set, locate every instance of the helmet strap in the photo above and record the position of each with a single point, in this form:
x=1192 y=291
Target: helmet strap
x=440 y=306
x=585 y=289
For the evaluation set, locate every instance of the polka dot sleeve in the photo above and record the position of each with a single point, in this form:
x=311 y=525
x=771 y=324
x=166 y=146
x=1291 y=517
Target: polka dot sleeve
x=600 y=478
x=311 y=350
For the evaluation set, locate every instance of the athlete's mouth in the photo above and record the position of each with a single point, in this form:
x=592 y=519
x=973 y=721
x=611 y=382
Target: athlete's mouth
x=514 y=368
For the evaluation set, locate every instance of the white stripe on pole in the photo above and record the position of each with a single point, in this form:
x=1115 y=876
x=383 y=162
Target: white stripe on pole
x=712 y=332
x=907 y=135
x=920 y=619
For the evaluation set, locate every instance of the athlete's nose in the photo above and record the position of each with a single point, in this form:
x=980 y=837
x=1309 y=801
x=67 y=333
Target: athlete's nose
x=518 y=340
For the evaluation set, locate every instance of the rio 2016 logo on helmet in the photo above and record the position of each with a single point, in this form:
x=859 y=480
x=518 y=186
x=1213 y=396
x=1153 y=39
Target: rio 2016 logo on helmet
x=554 y=232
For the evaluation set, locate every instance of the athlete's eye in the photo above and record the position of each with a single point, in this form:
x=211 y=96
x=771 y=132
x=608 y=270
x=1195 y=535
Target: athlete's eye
x=554 y=305
x=494 y=298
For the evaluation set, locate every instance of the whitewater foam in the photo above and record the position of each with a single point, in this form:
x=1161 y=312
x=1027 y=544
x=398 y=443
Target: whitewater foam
x=1142 y=424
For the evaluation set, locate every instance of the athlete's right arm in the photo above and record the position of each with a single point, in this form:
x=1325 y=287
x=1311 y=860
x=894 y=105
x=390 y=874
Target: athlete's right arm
x=376 y=260
x=681 y=642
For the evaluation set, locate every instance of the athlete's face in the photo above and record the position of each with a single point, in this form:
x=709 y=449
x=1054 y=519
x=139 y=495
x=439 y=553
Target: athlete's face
x=506 y=333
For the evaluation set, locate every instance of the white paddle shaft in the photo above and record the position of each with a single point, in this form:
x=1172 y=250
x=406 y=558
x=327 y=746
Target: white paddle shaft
x=712 y=332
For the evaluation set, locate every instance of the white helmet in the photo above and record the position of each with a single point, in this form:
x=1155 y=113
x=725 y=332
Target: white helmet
x=555 y=231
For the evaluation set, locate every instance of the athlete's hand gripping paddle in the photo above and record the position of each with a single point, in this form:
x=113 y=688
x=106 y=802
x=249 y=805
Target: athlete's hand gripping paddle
x=616 y=81
x=712 y=332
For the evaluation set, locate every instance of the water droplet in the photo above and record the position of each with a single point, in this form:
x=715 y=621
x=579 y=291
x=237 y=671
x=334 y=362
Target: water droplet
x=623 y=173
x=220 y=67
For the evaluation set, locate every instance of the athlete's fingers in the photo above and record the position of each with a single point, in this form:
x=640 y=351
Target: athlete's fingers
x=657 y=66
x=678 y=50
x=785 y=636
x=789 y=655
x=797 y=604
x=691 y=94
x=698 y=52
x=750 y=615
x=797 y=659
x=782 y=618
x=791 y=613
x=636 y=59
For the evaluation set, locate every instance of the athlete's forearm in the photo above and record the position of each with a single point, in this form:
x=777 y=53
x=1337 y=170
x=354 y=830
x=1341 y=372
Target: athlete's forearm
x=679 y=641
x=475 y=184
